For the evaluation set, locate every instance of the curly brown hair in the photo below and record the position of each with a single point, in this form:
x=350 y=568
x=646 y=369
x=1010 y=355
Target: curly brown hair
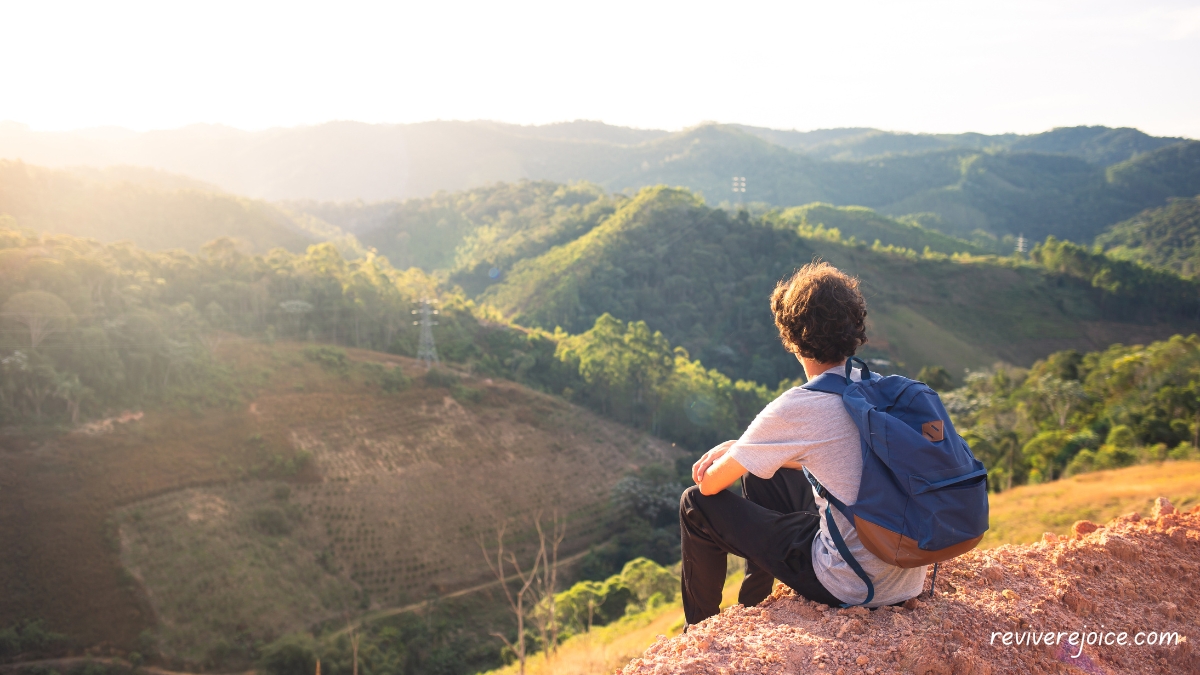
x=820 y=313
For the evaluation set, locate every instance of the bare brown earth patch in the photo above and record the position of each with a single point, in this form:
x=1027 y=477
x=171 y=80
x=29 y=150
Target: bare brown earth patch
x=386 y=494
x=1133 y=574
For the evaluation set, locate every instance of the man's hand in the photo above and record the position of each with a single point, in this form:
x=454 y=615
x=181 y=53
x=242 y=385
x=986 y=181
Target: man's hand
x=700 y=468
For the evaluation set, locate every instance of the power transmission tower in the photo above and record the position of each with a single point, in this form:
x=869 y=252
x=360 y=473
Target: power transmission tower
x=1022 y=244
x=426 y=351
x=739 y=188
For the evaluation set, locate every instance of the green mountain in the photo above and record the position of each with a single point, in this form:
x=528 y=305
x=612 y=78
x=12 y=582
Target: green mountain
x=1055 y=183
x=702 y=277
x=1099 y=145
x=476 y=235
x=1164 y=237
x=154 y=209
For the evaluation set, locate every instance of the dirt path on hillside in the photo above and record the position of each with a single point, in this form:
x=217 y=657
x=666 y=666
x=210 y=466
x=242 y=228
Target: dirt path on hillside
x=371 y=617
x=994 y=612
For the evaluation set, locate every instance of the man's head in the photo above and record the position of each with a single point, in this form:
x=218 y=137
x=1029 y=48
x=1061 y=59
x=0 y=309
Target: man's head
x=820 y=313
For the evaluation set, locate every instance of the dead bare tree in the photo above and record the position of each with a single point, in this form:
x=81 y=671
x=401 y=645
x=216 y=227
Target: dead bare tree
x=545 y=617
x=516 y=602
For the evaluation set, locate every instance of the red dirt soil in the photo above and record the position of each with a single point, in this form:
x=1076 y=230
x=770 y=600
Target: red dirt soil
x=1133 y=574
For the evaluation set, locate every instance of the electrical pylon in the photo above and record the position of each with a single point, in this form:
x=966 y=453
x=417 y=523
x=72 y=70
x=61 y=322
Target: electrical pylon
x=426 y=351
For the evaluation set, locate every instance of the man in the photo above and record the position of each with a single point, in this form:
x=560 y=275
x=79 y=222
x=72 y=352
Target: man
x=775 y=525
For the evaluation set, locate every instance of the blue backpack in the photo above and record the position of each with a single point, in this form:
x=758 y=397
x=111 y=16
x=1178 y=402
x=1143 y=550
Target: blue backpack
x=923 y=495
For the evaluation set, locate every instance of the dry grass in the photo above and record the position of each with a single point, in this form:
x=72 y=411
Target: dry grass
x=1018 y=516
x=607 y=648
x=1022 y=514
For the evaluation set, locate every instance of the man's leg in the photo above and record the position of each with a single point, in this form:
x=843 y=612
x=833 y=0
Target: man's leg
x=788 y=491
x=778 y=543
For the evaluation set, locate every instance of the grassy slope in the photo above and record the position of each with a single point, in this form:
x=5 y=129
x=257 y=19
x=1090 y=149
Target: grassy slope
x=397 y=489
x=1021 y=515
x=703 y=280
x=156 y=211
x=607 y=648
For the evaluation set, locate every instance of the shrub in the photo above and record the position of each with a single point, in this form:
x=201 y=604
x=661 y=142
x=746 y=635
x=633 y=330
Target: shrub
x=394 y=380
x=440 y=377
x=271 y=520
x=330 y=358
x=29 y=637
x=293 y=654
x=466 y=394
x=645 y=579
x=1183 y=451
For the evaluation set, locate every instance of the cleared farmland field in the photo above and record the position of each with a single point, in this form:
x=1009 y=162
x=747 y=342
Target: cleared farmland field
x=317 y=496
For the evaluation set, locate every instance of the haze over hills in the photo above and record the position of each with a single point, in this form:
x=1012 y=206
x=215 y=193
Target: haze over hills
x=154 y=209
x=1051 y=183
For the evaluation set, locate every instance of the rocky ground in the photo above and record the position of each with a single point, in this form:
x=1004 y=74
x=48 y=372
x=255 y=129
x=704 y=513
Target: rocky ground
x=1134 y=575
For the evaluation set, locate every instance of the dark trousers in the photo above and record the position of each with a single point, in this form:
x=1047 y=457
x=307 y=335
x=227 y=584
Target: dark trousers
x=772 y=526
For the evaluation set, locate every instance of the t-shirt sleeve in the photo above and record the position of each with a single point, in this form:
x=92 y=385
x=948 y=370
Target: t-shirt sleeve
x=775 y=437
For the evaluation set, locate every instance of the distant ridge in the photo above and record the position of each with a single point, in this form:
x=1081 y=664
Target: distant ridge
x=1069 y=182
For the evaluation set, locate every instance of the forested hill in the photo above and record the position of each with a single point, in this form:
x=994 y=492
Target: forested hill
x=477 y=235
x=153 y=209
x=1165 y=237
x=702 y=277
x=1099 y=145
x=1054 y=183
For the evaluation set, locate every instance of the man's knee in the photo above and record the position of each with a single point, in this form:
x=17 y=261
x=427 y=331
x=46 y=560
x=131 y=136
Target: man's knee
x=689 y=499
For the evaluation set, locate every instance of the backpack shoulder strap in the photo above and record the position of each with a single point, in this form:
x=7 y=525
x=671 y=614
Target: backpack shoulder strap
x=838 y=540
x=830 y=382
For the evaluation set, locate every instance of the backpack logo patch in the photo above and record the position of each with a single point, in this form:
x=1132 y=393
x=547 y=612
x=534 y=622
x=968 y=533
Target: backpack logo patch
x=933 y=431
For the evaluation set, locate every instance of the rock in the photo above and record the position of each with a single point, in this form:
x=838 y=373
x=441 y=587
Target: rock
x=992 y=572
x=862 y=660
x=1010 y=595
x=1132 y=516
x=1168 y=610
x=913 y=603
x=1119 y=547
x=1050 y=537
x=853 y=626
x=1178 y=536
x=1077 y=603
x=965 y=662
x=854 y=611
x=1162 y=507
x=1082 y=528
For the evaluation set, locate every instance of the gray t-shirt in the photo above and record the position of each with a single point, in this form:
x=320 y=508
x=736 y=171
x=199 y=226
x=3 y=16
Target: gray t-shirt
x=814 y=429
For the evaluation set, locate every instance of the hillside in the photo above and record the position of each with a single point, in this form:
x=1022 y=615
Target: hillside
x=1164 y=237
x=1136 y=574
x=477 y=235
x=317 y=493
x=153 y=209
x=1052 y=183
x=1098 y=145
x=694 y=274
x=1018 y=516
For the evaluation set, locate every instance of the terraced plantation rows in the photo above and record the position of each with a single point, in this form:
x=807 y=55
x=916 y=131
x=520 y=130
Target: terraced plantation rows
x=324 y=497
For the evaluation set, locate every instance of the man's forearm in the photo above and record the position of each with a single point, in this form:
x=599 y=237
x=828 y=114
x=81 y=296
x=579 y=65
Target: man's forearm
x=723 y=473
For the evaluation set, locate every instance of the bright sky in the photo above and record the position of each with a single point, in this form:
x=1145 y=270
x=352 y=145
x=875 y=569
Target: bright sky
x=1015 y=65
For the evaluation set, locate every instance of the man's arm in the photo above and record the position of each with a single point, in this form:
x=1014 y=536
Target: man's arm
x=719 y=474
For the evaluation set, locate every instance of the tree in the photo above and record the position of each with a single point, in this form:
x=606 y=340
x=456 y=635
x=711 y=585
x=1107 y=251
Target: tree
x=545 y=615
x=937 y=377
x=516 y=601
x=42 y=314
x=1060 y=397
